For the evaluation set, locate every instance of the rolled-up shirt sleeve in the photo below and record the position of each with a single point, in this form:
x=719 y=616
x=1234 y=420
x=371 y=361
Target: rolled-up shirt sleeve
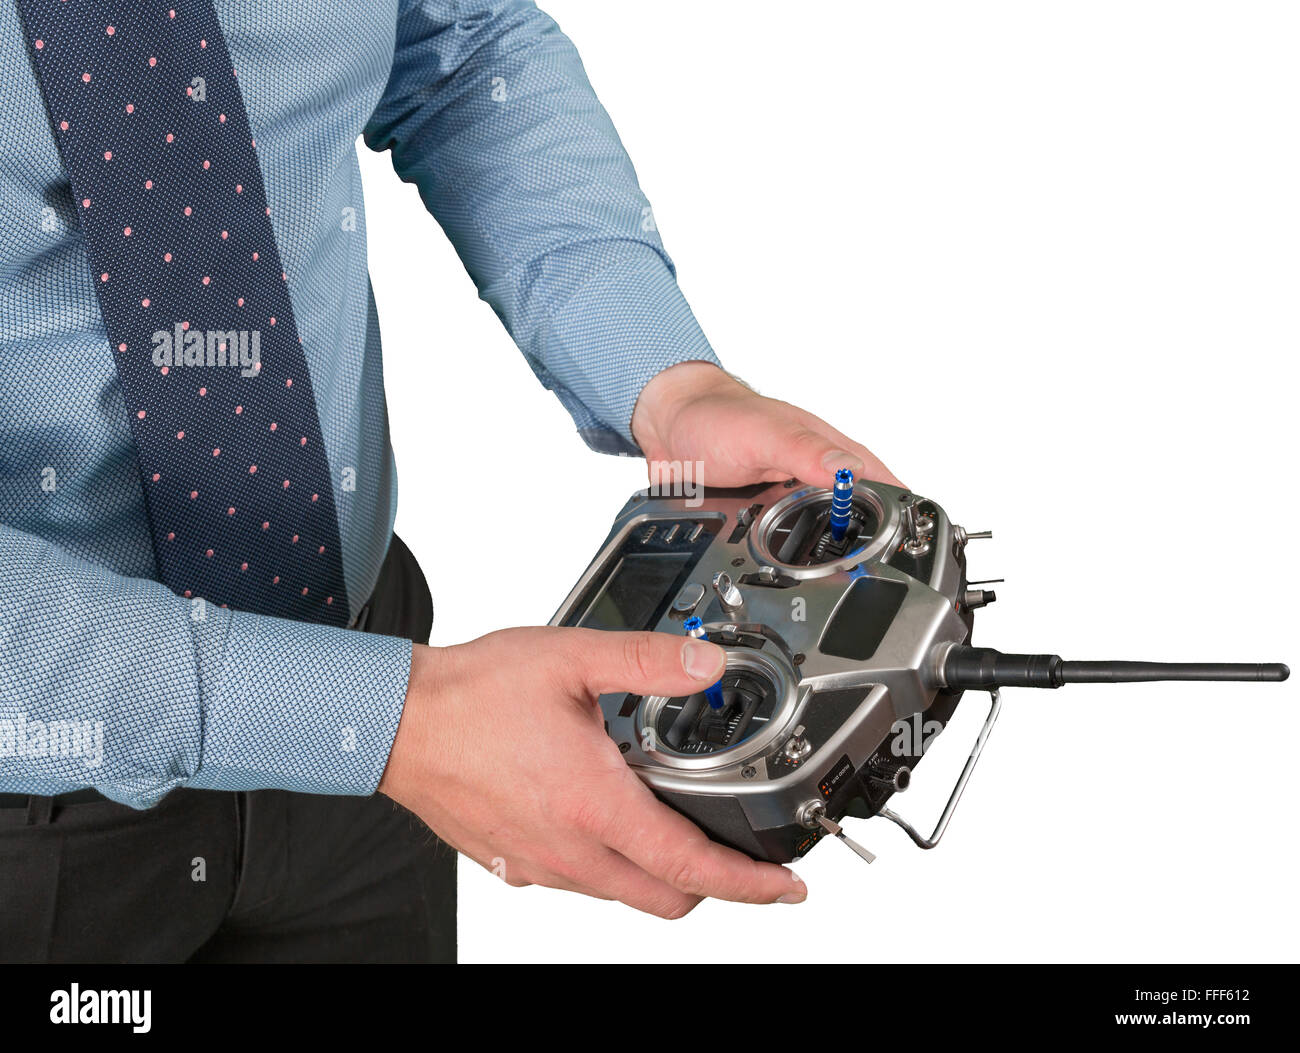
x=488 y=111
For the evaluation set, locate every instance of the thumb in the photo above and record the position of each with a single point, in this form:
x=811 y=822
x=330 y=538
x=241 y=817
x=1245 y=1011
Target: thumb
x=646 y=663
x=808 y=455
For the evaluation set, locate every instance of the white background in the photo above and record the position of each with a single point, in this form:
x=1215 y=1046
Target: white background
x=1042 y=258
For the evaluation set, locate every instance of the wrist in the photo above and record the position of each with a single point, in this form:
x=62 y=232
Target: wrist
x=667 y=393
x=414 y=739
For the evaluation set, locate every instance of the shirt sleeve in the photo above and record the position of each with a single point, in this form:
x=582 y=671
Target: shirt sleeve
x=119 y=684
x=488 y=111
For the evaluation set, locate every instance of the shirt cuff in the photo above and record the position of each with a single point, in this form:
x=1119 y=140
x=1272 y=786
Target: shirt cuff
x=627 y=323
x=303 y=707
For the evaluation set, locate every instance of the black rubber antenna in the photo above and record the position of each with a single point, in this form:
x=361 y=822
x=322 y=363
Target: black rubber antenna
x=984 y=668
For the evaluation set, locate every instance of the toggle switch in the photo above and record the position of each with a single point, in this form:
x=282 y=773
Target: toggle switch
x=729 y=595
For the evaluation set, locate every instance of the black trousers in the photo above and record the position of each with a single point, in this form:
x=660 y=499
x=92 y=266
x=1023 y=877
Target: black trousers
x=206 y=876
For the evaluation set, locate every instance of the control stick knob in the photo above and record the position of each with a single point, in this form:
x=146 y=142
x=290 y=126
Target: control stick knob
x=841 y=504
x=713 y=695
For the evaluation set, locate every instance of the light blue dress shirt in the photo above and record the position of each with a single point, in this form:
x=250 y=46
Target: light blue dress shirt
x=107 y=678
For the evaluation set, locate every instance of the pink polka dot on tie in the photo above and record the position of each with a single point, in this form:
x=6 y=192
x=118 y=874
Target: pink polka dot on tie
x=275 y=580
x=180 y=435
x=130 y=107
x=126 y=232
x=329 y=600
x=171 y=535
x=208 y=553
x=189 y=91
x=203 y=43
x=104 y=277
x=285 y=484
x=193 y=494
x=273 y=323
x=239 y=188
x=144 y=302
x=40 y=44
x=202 y=392
x=239 y=410
x=187 y=594
x=216 y=451
x=268 y=210
x=240 y=301
x=274 y=425
x=167 y=257
x=295 y=539
x=121 y=347
x=108 y=155
x=170 y=137
x=164 y=370
x=109 y=30
x=315 y=497
x=156 y=477
x=320 y=551
x=185 y=326
x=304 y=590
x=207 y=165
x=63 y=126
x=139 y=414
x=230 y=511
x=288 y=382
x=85 y=202
x=225 y=234
x=189 y=211
x=85 y=78
x=243 y=566
x=266 y=526
x=171 y=13
x=207 y=279
x=302 y=441
x=153 y=61
x=255 y=257
x=148 y=184
x=252 y=469
x=222 y=118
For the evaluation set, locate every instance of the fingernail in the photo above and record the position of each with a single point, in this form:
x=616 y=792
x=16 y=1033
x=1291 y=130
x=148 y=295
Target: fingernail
x=799 y=895
x=703 y=661
x=840 y=459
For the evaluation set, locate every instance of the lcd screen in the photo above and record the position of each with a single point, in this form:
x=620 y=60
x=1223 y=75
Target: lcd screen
x=635 y=589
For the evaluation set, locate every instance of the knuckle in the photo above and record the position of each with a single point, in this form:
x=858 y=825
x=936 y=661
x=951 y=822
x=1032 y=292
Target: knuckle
x=686 y=876
x=638 y=655
x=589 y=816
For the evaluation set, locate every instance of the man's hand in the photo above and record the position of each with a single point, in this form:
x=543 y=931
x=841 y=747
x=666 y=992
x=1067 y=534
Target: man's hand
x=502 y=751
x=694 y=412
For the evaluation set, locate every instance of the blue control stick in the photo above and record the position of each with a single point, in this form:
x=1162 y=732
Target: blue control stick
x=841 y=504
x=695 y=627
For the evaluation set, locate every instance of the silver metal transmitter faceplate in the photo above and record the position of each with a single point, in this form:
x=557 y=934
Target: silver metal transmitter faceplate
x=831 y=650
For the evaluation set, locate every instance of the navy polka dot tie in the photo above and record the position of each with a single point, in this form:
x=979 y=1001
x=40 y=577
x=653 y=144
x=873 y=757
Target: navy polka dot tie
x=150 y=123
